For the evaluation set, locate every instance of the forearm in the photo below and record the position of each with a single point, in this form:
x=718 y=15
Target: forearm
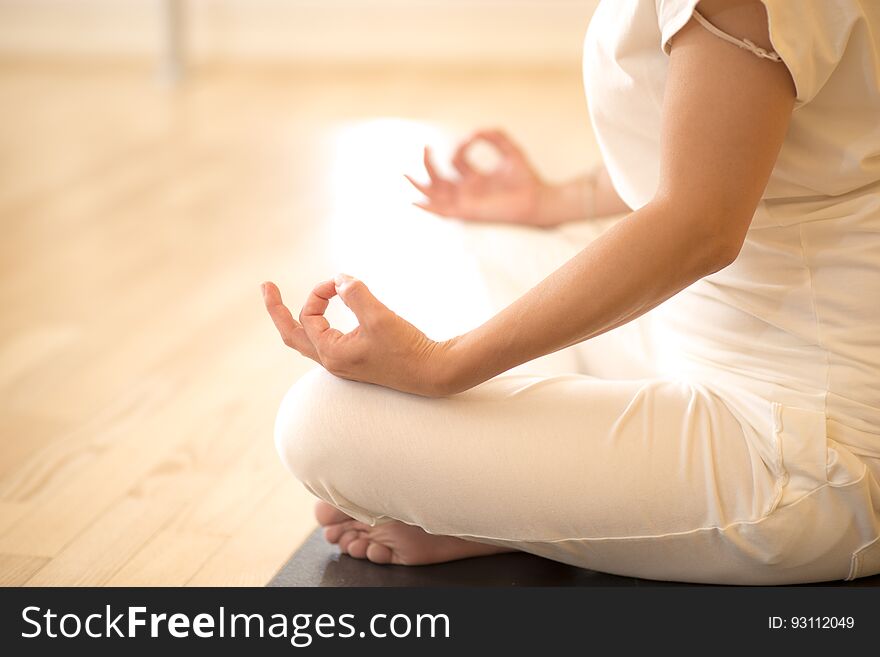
x=637 y=264
x=586 y=197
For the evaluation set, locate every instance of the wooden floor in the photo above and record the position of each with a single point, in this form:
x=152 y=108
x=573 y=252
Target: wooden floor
x=139 y=376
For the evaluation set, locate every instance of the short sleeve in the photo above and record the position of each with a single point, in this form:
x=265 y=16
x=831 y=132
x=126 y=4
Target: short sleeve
x=810 y=36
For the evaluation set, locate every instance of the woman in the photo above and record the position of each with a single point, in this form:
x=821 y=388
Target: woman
x=732 y=435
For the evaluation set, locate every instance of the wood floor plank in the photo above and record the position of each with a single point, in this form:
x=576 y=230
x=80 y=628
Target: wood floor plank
x=106 y=546
x=169 y=558
x=255 y=553
x=16 y=569
x=139 y=376
x=227 y=506
x=106 y=466
x=12 y=512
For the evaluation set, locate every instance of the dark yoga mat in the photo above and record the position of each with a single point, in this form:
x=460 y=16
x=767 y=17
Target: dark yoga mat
x=318 y=563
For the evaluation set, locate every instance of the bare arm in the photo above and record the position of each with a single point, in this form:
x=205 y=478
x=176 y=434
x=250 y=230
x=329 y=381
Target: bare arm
x=586 y=197
x=725 y=116
x=514 y=192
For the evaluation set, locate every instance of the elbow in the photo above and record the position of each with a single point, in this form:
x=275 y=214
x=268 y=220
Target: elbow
x=711 y=233
x=713 y=246
x=718 y=237
x=721 y=252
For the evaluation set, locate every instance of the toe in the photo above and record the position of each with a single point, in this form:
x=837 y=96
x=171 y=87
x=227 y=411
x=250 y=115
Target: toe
x=358 y=547
x=378 y=553
x=332 y=533
x=347 y=537
x=327 y=514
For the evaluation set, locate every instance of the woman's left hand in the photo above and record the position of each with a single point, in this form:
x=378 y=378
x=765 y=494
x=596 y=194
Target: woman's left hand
x=384 y=349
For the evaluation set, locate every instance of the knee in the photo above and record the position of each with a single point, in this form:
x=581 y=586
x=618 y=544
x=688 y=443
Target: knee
x=307 y=426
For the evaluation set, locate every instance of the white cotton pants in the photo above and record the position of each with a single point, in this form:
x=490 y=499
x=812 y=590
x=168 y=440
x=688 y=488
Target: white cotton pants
x=590 y=456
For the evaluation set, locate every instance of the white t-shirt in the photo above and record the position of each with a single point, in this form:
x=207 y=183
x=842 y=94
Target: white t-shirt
x=796 y=318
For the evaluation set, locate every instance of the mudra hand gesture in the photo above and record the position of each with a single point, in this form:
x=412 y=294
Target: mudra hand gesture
x=387 y=350
x=512 y=192
x=383 y=349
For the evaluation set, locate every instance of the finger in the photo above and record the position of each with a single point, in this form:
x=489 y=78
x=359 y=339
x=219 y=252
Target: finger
x=434 y=208
x=500 y=140
x=459 y=160
x=291 y=331
x=355 y=294
x=424 y=189
x=433 y=174
x=312 y=315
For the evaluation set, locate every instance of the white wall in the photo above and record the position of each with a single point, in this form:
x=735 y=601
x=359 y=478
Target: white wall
x=462 y=31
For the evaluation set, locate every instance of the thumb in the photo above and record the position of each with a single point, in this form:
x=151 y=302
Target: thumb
x=355 y=294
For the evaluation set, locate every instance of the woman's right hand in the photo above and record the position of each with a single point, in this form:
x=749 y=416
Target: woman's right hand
x=512 y=193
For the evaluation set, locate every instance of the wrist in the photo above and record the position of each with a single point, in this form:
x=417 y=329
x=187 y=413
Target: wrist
x=547 y=212
x=572 y=201
x=457 y=369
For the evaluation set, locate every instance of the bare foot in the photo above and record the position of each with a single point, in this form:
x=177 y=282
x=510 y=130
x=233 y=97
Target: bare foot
x=395 y=541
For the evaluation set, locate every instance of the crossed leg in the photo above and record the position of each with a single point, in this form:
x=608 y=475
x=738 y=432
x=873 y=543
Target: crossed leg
x=625 y=353
x=638 y=477
x=395 y=541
